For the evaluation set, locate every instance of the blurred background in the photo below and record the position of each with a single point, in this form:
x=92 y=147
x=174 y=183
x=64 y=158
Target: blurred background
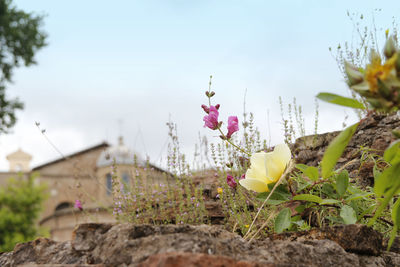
x=128 y=67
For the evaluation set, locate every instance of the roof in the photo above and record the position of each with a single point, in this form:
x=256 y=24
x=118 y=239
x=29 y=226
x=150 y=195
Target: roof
x=120 y=155
x=101 y=145
x=19 y=154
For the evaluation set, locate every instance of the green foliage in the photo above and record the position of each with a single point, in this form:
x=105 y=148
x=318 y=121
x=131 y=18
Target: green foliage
x=335 y=150
x=280 y=195
x=21 y=37
x=340 y=100
x=20 y=204
x=342 y=182
x=282 y=221
x=396 y=221
x=348 y=214
x=312 y=173
x=308 y=197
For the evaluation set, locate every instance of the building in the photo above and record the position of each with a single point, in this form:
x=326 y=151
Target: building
x=85 y=176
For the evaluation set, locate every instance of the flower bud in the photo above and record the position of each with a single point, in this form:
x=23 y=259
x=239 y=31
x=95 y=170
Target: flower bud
x=222 y=137
x=229 y=165
x=207 y=94
x=354 y=76
x=217 y=106
x=231 y=181
x=374 y=56
x=205 y=108
x=212 y=93
x=390 y=48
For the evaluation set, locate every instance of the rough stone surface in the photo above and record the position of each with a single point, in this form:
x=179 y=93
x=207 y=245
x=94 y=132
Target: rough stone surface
x=182 y=259
x=357 y=238
x=374 y=133
x=204 y=245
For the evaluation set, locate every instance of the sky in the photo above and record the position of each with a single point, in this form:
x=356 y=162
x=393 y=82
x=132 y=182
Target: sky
x=128 y=67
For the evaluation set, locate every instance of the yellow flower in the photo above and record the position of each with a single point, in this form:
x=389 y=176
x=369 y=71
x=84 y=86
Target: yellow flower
x=376 y=71
x=247 y=226
x=266 y=168
x=219 y=190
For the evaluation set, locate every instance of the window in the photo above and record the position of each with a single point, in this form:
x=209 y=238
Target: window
x=109 y=183
x=126 y=179
x=64 y=205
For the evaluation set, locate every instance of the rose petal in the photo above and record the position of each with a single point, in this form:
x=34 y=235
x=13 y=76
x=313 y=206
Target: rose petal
x=254 y=184
x=282 y=154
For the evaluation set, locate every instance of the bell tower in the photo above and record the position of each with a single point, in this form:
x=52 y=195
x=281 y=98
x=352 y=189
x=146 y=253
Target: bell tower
x=19 y=161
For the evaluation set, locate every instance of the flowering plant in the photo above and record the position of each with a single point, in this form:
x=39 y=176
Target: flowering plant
x=266 y=168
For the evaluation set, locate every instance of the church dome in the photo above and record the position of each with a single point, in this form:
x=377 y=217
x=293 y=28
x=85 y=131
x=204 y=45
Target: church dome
x=120 y=153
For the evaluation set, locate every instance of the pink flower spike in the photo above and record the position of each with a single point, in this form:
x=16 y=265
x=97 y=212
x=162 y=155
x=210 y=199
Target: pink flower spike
x=233 y=126
x=78 y=205
x=230 y=180
x=211 y=120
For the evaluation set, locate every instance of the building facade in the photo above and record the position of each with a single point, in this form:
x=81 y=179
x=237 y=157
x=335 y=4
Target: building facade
x=85 y=176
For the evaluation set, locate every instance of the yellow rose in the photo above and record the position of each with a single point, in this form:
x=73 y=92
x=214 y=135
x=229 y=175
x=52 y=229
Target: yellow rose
x=266 y=168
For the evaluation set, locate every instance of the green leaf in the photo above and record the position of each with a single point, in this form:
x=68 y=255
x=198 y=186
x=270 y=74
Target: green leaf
x=335 y=150
x=301 y=167
x=328 y=190
x=274 y=202
x=387 y=179
x=392 y=153
x=358 y=196
x=283 y=221
x=340 y=100
x=335 y=220
x=396 y=213
x=300 y=208
x=396 y=221
x=329 y=201
x=281 y=193
x=308 y=197
x=312 y=173
x=384 y=202
x=348 y=214
x=342 y=182
x=376 y=172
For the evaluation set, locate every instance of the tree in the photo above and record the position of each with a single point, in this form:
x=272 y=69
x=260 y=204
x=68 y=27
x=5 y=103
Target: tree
x=20 y=203
x=21 y=37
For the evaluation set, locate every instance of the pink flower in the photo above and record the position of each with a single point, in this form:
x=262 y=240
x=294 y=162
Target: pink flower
x=211 y=120
x=230 y=180
x=233 y=125
x=78 y=205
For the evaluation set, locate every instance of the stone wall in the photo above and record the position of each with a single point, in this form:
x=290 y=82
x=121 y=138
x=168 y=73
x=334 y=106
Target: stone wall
x=373 y=135
x=204 y=246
